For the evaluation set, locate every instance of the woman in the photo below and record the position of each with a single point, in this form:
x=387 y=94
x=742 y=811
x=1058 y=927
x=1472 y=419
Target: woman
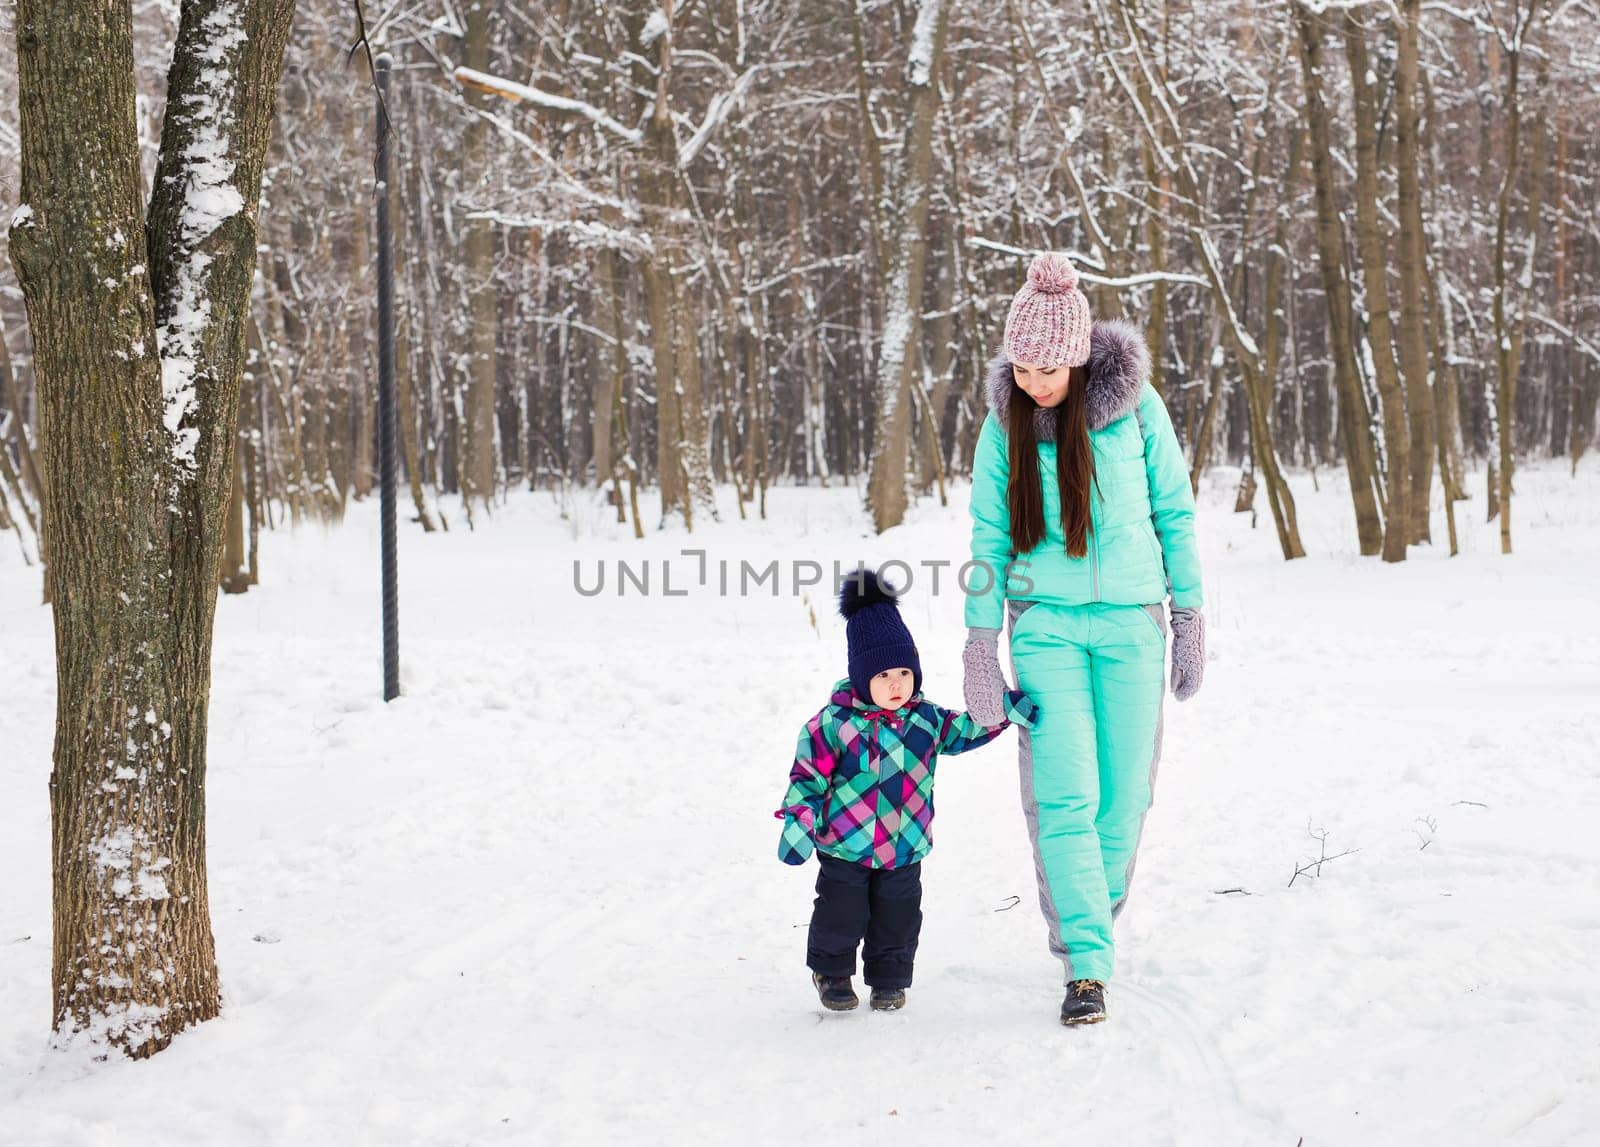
x=1080 y=487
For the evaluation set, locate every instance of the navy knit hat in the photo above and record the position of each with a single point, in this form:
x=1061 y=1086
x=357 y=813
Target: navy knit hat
x=878 y=639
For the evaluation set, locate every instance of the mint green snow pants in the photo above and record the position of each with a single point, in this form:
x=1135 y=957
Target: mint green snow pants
x=1089 y=763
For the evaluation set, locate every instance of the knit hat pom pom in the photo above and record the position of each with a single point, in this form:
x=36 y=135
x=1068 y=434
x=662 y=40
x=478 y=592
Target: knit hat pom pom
x=1052 y=273
x=862 y=588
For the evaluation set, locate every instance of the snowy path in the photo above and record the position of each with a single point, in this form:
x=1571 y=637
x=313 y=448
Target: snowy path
x=536 y=900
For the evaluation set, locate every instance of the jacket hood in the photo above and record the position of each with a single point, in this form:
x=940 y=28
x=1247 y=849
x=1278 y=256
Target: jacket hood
x=1119 y=365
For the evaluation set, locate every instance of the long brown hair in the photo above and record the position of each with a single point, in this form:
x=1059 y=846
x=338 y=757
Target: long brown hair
x=1074 y=467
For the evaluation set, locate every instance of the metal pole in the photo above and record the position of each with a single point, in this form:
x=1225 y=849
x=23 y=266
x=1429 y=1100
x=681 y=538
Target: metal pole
x=386 y=398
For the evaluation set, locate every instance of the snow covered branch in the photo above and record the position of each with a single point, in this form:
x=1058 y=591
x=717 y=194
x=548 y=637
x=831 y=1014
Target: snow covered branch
x=627 y=209
x=1140 y=280
x=721 y=105
x=580 y=230
x=519 y=93
x=1588 y=348
x=919 y=63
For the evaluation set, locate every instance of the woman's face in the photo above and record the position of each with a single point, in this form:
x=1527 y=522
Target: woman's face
x=1046 y=385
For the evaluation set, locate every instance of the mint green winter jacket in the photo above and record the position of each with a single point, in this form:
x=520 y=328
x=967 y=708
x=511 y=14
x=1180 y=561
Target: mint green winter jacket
x=1141 y=540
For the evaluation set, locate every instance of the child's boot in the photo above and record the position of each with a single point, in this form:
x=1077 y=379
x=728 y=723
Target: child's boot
x=835 y=992
x=888 y=999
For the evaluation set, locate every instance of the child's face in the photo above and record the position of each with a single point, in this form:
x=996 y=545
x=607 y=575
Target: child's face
x=892 y=687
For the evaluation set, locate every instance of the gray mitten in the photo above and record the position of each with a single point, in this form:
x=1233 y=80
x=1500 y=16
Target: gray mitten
x=1188 y=652
x=983 y=686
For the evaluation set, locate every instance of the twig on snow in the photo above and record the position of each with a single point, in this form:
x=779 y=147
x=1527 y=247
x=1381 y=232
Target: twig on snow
x=1314 y=867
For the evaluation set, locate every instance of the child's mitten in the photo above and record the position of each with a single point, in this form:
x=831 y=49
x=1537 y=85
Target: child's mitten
x=795 y=846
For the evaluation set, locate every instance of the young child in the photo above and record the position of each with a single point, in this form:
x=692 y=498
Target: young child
x=861 y=794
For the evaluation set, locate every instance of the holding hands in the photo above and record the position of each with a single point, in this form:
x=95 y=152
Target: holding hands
x=983 y=686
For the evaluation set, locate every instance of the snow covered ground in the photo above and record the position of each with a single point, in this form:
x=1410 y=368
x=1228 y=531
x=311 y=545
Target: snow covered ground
x=536 y=900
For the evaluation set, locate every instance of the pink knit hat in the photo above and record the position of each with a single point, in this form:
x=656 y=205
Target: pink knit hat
x=1049 y=320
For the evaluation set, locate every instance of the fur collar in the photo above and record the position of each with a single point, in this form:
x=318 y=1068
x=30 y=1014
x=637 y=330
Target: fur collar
x=1119 y=365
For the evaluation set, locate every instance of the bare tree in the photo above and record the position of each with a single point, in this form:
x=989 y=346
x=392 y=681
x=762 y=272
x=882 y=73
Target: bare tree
x=1510 y=321
x=1413 y=318
x=1375 y=272
x=138 y=327
x=905 y=255
x=1336 y=287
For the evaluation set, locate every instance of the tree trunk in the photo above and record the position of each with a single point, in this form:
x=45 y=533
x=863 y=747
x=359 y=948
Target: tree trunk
x=1203 y=435
x=138 y=385
x=886 y=482
x=1336 y=289
x=803 y=300
x=934 y=383
x=759 y=399
x=13 y=392
x=604 y=382
x=29 y=489
x=695 y=444
x=254 y=469
x=872 y=189
x=1441 y=334
x=1509 y=328
x=1375 y=269
x=477 y=465
x=682 y=446
x=1259 y=390
x=623 y=465
x=235 y=570
x=1413 y=324
x=659 y=306
x=406 y=323
x=1156 y=230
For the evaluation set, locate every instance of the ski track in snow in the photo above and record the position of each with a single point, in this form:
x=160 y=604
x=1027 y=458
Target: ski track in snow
x=537 y=898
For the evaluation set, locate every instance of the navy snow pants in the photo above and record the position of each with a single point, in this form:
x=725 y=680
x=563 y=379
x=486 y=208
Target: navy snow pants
x=882 y=906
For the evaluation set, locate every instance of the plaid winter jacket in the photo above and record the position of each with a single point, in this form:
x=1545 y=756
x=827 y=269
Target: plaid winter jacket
x=861 y=788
